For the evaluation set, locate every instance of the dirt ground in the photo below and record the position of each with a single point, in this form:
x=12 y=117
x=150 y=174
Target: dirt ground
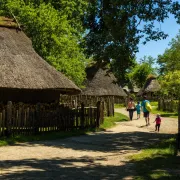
x=97 y=156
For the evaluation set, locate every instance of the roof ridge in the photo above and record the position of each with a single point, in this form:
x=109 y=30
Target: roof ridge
x=8 y=22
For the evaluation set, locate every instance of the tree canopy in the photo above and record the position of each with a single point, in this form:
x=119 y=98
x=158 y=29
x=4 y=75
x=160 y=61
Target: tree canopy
x=171 y=83
x=115 y=28
x=53 y=36
x=169 y=61
x=140 y=72
x=67 y=33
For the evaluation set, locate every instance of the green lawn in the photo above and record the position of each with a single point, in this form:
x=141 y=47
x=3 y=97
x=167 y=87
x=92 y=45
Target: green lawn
x=162 y=113
x=119 y=105
x=40 y=137
x=110 y=121
x=157 y=162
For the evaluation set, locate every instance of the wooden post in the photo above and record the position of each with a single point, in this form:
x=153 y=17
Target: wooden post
x=82 y=118
x=37 y=118
x=113 y=102
x=98 y=114
x=9 y=118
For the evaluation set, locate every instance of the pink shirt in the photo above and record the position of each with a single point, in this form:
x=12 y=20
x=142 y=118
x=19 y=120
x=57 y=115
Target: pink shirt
x=158 y=120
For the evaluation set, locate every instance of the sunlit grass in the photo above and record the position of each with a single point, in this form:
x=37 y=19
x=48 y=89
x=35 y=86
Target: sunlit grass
x=154 y=103
x=110 y=121
x=166 y=147
x=157 y=161
x=164 y=113
x=155 y=110
x=119 y=105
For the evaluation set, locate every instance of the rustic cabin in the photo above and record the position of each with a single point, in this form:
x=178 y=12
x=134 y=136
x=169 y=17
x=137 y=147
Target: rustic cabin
x=30 y=89
x=151 y=88
x=102 y=85
x=24 y=75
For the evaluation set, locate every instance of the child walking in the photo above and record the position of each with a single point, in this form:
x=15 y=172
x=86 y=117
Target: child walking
x=158 y=122
x=138 y=110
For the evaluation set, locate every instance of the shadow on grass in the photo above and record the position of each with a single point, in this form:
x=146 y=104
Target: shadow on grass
x=158 y=161
x=159 y=167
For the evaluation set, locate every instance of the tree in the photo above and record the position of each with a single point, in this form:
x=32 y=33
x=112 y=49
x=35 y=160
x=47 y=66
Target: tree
x=140 y=72
x=52 y=35
x=169 y=61
x=114 y=29
x=170 y=85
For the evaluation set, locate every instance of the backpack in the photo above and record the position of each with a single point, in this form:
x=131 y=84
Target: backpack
x=148 y=106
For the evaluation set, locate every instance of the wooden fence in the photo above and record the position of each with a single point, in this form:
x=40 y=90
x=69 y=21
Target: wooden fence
x=108 y=101
x=32 y=119
x=168 y=105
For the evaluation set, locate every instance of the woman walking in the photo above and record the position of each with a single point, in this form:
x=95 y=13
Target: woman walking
x=131 y=107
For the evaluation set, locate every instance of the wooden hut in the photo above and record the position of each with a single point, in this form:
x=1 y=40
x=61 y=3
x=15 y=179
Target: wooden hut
x=24 y=75
x=102 y=84
x=151 y=87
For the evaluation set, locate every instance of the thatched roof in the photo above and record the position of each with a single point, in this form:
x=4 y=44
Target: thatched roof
x=102 y=82
x=134 y=89
x=21 y=68
x=151 y=85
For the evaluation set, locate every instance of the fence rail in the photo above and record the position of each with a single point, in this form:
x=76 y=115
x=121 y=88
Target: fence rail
x=26 y=119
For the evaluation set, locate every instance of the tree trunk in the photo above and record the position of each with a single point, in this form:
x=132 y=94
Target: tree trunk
x=178 y=135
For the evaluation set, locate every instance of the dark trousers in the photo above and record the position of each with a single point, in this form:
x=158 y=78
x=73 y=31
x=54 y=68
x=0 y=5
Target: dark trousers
x=131 y=111
x=157 y=126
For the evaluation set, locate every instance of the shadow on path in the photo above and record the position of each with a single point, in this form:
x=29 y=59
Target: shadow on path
x=85 y=167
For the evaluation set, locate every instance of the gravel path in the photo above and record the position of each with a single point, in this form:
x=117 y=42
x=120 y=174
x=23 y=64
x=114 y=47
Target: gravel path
x=96 y=156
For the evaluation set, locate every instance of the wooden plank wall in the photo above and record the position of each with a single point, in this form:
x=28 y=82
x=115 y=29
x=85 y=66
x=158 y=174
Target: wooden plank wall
x=108 y=102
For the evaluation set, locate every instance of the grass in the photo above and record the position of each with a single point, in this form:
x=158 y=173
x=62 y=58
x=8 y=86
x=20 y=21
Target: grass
x=157 y=162
x=111 y=121
x=40 y=137
x=163 y=113
x=154 y=103
x=119 y=105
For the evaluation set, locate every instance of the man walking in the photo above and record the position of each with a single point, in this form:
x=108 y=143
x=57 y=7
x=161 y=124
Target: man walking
x=145 y=110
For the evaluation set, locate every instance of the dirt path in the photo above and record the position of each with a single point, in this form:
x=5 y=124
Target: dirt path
x=92 y=157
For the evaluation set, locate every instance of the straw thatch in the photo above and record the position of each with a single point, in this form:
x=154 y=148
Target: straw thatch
x=102 y=82
x=133 y=89
x=152 y=85
x=24 y=73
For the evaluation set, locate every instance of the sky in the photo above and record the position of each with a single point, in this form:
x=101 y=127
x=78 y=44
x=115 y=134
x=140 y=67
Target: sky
x=154 y=48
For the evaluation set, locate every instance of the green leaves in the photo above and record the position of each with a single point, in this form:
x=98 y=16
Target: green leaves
x=140 y=72
x=53 y=33
x=169 y=61
x=115 y=27
x=171 y=83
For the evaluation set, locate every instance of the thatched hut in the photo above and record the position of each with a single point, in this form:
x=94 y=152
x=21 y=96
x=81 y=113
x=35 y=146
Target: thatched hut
x=131 y=90
x=102 y=83
x=24 y=75
x=150 y=88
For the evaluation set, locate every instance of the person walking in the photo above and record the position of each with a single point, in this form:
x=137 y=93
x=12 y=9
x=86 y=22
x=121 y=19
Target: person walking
x=138 y=109
x=158 y=123
x=130 y=108
x=144 y=104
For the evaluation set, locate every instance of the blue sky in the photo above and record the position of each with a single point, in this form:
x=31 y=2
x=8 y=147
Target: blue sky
x=154 y=48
